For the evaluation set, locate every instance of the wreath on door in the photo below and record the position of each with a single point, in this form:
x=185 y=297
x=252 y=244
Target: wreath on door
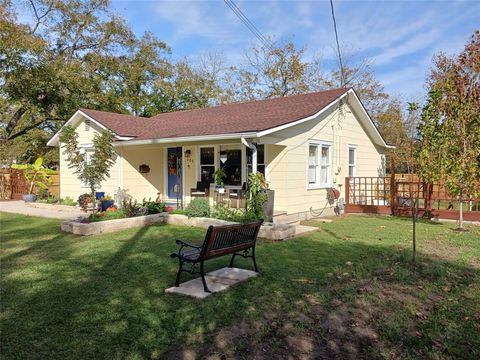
x=172 y=164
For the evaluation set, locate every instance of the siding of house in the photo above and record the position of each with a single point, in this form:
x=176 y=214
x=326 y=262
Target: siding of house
x=289 y=151
x=140 y=185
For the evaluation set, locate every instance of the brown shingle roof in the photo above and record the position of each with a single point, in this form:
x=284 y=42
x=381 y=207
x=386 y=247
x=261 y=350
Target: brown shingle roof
x=226 y=119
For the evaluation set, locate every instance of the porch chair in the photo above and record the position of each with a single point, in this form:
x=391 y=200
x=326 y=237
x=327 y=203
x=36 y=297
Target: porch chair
x=238 y=195
x=202 y=190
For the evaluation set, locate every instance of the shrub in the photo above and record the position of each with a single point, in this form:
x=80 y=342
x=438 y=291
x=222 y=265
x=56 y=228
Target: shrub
x=153 y=207
x=106 y=215
x=130 y=208
x=68 y=201
x=255 y=197
x=43 y=194
x=84 y=200
x=50 y=199
x=170 y=209
x=223 y=213
x=198 y=208
x=237 y=215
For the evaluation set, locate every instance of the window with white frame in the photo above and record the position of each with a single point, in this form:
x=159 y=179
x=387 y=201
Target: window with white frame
x=88 y=156
x=319 y=165
x=352 y=161
x=207 y=164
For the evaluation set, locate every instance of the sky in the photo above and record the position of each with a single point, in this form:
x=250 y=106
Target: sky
x=399 y=37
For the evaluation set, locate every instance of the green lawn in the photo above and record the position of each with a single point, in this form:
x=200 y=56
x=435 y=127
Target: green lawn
x=347 y=291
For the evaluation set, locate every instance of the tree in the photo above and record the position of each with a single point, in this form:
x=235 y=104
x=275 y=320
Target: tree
x=391 y=124
x=275 y=71
x=359 y=74
x=73 y=53
x=450 y=124
x=97 y=168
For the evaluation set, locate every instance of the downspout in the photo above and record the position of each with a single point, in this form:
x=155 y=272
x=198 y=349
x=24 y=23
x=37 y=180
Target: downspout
x=254 y=154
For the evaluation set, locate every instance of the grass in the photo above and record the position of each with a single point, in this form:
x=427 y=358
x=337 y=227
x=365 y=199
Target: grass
x=348 y=290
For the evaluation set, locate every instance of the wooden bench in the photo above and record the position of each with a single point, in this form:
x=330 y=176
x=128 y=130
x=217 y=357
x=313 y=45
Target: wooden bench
x=237 y=239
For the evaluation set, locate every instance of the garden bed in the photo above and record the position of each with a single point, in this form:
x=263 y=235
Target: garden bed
x=109 y=226
x=267 y=231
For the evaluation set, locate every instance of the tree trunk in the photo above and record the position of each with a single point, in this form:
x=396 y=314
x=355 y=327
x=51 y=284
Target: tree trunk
x=414 y=220
x=460 y=211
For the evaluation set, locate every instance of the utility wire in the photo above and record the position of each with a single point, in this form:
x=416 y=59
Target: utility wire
x=253 y=29
x=342 y=73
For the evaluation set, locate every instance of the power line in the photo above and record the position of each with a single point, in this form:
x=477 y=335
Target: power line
x=342 y=74
x=253 y=29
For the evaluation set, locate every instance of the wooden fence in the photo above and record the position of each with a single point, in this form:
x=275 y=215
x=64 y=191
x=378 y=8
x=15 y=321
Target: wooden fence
x=394 y=195
x=13 y=184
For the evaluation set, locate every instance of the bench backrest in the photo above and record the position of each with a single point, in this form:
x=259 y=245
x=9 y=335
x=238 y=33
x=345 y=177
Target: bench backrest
x=227 y=239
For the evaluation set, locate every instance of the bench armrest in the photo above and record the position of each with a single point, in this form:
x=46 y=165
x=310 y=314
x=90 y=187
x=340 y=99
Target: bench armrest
x=185 y=244
x=182 y=245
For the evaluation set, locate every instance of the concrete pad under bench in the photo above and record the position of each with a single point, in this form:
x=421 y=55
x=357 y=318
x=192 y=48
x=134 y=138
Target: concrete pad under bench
x=217 y=280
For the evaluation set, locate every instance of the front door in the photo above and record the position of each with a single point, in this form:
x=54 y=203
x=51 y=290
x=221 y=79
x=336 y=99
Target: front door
x=174 y=173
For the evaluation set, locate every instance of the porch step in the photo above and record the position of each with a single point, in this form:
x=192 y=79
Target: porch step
x=286 y=219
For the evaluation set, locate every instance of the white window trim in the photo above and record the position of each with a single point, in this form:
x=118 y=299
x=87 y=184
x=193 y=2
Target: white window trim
x=354 y=147
x=87 y=148
x=199 y=158
x=319 y=184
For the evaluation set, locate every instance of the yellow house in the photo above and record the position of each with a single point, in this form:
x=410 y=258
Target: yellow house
x=304 y=144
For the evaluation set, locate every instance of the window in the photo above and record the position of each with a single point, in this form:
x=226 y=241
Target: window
x=319 y=165
x=260 y=159
x=232 y=166
x=207 y=164
x=352 y=161
x=312 y=164
x=88 y=156
x=87 y=125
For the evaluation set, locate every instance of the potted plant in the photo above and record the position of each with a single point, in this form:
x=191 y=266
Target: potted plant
x=36 y=175
x=106 y=202
x=269 y=196
x=218 y=175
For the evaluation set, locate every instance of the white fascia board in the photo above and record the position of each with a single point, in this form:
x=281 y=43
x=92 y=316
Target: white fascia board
x=300 y=121
x=55 y=138
x=186 y=139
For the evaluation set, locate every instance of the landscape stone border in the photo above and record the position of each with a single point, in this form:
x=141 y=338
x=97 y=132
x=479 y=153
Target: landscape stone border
x=272 y=231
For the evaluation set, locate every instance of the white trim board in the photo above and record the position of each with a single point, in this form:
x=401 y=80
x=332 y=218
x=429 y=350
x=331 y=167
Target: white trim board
x=54 y=140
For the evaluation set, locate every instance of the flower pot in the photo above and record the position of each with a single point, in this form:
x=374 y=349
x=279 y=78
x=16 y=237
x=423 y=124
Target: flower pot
x=106 y=204
x=268 y=205
x=29 y=198
x=99 y=195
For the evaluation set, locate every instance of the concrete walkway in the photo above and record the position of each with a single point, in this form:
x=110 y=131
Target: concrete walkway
x=217 y=280
x=19 y=207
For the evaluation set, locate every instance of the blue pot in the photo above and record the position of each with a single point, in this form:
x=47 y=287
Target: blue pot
x=99 y=195
x=106 y=204
x=29 y=198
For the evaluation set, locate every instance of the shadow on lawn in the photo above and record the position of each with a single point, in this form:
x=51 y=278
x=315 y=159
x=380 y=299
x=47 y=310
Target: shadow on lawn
x=94 y=302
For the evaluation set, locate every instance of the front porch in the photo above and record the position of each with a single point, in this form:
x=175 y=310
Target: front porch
x=179 y=172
